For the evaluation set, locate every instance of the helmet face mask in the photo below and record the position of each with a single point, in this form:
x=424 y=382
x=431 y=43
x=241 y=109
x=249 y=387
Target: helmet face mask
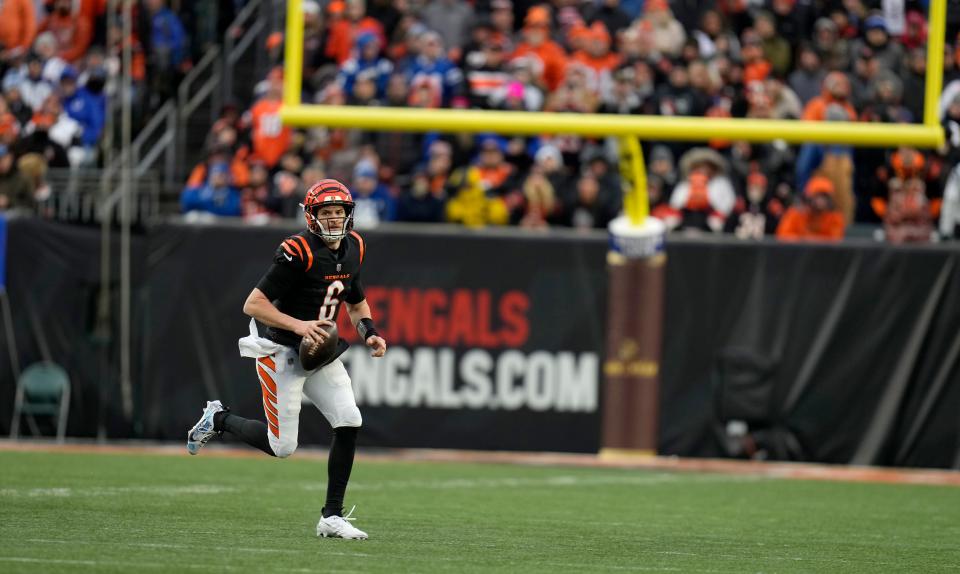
x=321 y=214
x=328 y=223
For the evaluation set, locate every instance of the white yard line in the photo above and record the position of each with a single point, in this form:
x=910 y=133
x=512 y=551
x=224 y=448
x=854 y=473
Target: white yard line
x=203 y=547
x=139 y=564
x=443 y=484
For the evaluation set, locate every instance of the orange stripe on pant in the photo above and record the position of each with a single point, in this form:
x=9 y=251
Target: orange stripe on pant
x=268 y=363
x=273 y=420
x=269 y=407
x=269 y=391
x=266 y=380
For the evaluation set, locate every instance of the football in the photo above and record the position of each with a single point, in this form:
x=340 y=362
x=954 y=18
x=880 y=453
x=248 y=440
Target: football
x=315 y=355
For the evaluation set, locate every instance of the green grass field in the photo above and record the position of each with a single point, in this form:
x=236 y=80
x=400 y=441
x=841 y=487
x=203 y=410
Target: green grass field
x=153 y=513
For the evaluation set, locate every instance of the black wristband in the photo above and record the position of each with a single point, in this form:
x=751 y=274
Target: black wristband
x=366 y=329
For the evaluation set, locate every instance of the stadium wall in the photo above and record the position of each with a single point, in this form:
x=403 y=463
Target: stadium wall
x=837 y=353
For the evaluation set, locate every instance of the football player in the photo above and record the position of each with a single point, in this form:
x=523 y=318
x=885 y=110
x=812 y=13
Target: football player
x=298 y=299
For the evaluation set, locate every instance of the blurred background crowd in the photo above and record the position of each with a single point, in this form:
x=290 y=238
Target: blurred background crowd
x=849 y=60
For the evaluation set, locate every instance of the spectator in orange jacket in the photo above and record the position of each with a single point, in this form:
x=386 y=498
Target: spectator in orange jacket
x=73 y=33
x=836 y=90
x=816 y=218
x=536 y=43
x=344 y=32
x=596 y=54
x=18 y=26
x=269 y=136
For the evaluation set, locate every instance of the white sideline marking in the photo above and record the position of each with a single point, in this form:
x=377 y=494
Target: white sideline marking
x=171 y=546
x=141 y=564
x=513 y=482
x=443 y=484
x=63 y=492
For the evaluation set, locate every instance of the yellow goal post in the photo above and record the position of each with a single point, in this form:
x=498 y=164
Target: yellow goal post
x=929 y=134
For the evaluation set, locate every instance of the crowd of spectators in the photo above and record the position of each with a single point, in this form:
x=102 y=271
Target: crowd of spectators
x=776 y=59
x=60 y=62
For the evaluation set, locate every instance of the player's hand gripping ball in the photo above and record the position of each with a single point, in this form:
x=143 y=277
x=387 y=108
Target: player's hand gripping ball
x=314 y=355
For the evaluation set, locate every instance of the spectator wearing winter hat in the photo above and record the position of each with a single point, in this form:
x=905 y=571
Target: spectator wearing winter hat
x=622 y=97
x=269 y=136
x=18 y=25
x=34 y=88
x=432 y=69
x=502 y=18
x=915 y=33
x=47 y=48
x=493 y=169
x=216 y=197
x=835 y=90
x=596 y=54
x=542 y=188
x=84 y=107
x=714 y=38
x=756 y=67
x=485 y=72
x=373 y=203
x=776 y=50
x=663 y=166
x=73 y=34
x=833 y=50
x=366 y=58
x=886 y=101
x=815 y=218
x=343 y=31
x=909 y=213
x=550 y=58
x=705 y=196
x=668 y=34
x=888 y=52
x=867 y=68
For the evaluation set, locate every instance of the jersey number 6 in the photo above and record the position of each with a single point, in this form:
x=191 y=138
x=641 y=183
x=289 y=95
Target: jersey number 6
x=330 y=302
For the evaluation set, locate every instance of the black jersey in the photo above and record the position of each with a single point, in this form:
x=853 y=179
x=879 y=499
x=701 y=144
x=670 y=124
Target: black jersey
x=308 y=280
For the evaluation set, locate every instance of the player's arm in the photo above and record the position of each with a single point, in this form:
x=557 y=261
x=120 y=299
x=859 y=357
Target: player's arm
x=261 y=308
x=362 y=319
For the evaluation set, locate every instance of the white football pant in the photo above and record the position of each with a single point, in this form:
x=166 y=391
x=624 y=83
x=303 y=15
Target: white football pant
x=282 y=380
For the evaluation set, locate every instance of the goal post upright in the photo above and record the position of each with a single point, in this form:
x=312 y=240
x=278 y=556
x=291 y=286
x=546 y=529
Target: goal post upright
x=293 y=56
x=933 y=82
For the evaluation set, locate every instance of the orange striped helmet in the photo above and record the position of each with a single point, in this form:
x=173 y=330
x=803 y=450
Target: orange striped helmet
x=325 y=193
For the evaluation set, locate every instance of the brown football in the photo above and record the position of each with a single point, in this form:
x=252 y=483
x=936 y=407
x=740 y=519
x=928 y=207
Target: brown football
x=314 y=355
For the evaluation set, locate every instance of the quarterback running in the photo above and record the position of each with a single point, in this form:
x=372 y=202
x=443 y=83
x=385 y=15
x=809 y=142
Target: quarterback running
x=296 y=301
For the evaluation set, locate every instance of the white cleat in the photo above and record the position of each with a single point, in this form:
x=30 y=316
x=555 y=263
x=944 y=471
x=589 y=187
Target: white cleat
x=340 y=527
x=203 y=430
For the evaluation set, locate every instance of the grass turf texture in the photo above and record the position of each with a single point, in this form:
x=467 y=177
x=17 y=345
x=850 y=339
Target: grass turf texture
x=145 y=513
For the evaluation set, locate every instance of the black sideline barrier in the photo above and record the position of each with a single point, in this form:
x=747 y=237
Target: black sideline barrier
x=847 y=354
